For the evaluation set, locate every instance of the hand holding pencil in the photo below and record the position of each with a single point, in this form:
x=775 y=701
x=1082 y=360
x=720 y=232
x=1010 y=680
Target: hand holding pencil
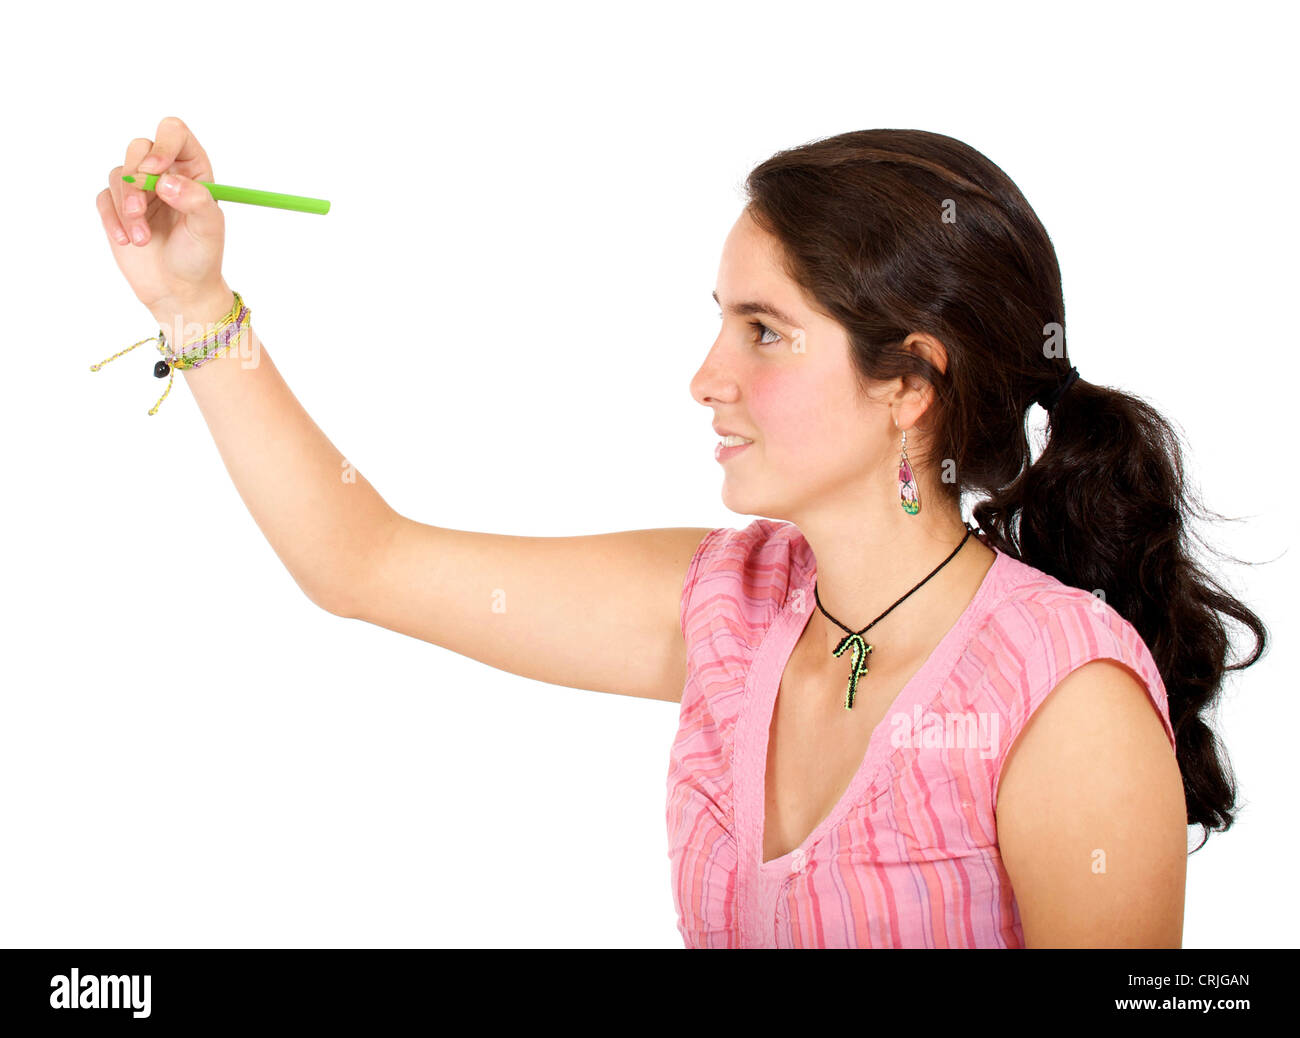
x=167 y=232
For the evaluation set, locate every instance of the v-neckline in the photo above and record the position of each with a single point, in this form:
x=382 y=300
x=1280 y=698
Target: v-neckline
x=778 y=647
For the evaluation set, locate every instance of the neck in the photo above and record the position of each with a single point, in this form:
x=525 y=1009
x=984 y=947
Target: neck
x=868 y=558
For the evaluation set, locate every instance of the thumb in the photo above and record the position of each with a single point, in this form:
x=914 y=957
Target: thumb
x=194 y=200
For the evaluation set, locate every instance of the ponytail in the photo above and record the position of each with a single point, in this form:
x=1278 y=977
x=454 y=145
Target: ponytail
x=1105 y=508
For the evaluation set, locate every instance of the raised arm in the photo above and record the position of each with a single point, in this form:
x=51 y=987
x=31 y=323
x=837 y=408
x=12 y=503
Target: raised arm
x=598 y=612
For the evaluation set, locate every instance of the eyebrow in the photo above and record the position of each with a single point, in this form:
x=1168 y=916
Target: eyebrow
x=744 y=309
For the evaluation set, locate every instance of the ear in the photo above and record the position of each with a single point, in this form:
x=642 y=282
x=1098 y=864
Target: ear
x=913 y=400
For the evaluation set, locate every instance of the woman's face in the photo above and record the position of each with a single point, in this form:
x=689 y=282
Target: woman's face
x=784 y=381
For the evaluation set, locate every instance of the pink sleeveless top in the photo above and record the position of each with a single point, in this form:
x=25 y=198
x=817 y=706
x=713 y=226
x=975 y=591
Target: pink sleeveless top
x=908 y=858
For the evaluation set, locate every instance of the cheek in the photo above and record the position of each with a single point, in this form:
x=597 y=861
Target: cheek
x=785 y=409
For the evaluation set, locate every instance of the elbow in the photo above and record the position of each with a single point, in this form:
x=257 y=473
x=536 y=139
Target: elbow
x=335 y=606
x=330 y=600
x=346 y=588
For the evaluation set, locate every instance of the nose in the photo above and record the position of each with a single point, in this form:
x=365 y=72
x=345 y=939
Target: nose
x=711 y=384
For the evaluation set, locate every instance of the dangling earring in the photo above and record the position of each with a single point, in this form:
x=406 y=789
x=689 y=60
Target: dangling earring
x=907 y=494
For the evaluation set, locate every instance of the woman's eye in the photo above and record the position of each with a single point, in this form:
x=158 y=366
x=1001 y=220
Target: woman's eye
x=760 y=329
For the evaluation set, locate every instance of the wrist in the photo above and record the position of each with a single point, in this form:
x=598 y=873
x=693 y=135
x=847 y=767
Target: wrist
x=182 y=319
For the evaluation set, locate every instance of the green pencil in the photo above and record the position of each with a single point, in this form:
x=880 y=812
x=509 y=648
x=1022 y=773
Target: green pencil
x=249 y=196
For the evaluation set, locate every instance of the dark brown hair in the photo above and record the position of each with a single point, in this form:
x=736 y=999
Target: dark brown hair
x=891 y=232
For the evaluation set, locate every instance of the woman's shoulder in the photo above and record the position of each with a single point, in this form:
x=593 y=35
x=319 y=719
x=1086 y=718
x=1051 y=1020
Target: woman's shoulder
x=1031 y=603
x=1040 y=629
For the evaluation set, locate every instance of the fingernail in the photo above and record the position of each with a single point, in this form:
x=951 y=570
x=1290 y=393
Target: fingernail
x=138 y=235
x=151 y=163
x=168 y=184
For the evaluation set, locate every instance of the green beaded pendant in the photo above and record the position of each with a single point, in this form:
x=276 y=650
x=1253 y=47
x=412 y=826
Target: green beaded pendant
x=860 y=652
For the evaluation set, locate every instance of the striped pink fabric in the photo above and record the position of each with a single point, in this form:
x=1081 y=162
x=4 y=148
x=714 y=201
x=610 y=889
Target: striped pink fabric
x=909 y=857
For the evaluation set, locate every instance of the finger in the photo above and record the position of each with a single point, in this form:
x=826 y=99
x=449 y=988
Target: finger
x=135 y=201
x=115 y=188
x=115 y=185
x=108 y=217
x=202 y=215
x=175 y=144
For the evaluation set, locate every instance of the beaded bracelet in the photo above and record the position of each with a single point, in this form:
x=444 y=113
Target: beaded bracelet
x=196 y=352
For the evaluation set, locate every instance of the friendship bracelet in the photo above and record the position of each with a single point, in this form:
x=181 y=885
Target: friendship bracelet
x=196 y=352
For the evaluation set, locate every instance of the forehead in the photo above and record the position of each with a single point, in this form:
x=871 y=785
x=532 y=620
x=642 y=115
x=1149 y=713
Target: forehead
x=751 y=270
x=750 y=246
x=751 y=263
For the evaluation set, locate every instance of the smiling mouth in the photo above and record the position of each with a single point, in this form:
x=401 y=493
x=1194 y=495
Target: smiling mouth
x=722 y=452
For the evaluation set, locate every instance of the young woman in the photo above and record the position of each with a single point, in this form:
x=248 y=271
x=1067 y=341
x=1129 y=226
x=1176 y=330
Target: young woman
x=869 y=752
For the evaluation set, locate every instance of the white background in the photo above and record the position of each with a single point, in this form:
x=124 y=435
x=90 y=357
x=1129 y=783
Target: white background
x=497 y=324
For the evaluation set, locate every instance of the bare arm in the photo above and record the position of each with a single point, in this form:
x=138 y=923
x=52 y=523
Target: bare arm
x=596 y=612
x=588 y=612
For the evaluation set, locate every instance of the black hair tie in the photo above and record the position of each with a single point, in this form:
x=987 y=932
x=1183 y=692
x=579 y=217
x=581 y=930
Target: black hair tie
x=1049 y=397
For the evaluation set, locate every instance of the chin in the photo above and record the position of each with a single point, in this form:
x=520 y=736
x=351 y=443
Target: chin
x=743 y=503
x=737 y=501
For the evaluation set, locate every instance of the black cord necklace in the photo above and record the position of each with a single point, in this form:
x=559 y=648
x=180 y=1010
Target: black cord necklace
x=860 y=648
